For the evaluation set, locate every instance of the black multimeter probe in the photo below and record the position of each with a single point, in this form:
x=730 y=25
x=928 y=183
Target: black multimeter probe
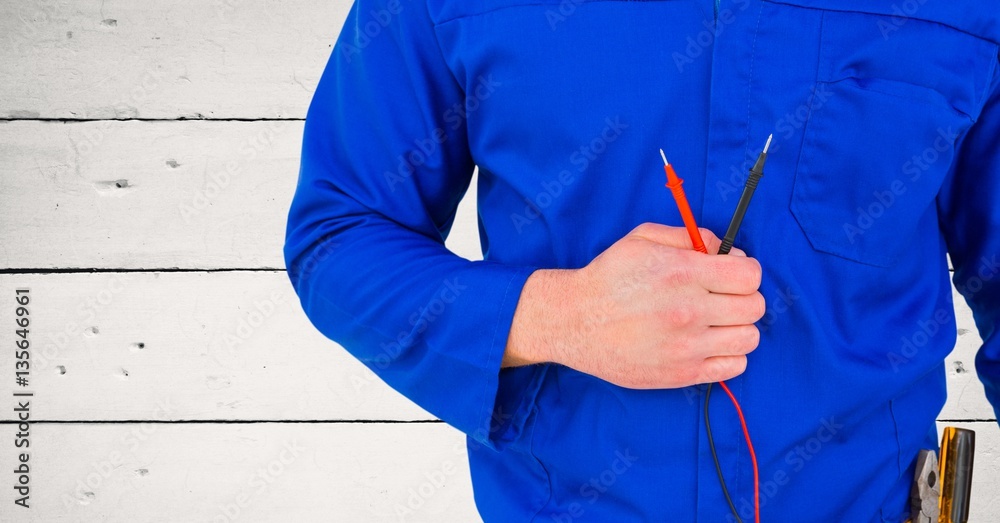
x=741 y=208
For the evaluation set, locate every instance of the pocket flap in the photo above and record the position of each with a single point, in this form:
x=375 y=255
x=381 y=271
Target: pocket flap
x=965 y=16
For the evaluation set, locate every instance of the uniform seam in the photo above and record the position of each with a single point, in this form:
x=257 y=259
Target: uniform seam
x=884 y=15
x=526 y=4
x=809 y=116
x=444 y=59
x=531 y=452
x=753 y=53
x=495 y=9
x=753 y=56
x=888 y=92
x=489 y=356
x=899 y=464
x=991 y=83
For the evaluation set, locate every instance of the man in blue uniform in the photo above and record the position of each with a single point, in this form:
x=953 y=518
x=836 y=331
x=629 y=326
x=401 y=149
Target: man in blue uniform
x=574 y=356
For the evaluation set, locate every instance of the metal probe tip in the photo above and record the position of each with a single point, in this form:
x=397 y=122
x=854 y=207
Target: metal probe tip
x=768 y=144
x=665 y=162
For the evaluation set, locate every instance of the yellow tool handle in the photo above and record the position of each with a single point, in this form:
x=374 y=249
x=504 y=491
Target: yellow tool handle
x=957 y=449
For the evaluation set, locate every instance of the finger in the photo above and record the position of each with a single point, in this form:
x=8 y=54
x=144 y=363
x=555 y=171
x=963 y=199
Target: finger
x=712 y=242
x=728 y=274
x=676 y=237
x=720 y=310
x=736 y=251
x=722 y=368
x=738 y=340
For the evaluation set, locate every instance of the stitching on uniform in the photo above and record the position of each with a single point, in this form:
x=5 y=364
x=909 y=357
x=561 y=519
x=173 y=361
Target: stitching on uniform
x=753 y=50
x=526 y=4
x=885 y=15
x=489 y=356
x=990 y=83
x=531 y=452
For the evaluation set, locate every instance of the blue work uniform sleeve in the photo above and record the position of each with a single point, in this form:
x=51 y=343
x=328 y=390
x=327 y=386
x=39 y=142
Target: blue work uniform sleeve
x=970 y=219
x=385 y=162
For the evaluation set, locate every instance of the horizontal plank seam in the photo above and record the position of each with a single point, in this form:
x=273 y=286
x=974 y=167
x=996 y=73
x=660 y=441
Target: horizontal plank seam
x=177 y=119
x=71 y=270
x=220 y=421
x=41 y=270
x=321 y=421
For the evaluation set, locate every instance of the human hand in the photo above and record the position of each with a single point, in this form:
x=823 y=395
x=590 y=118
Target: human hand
x=648 y=312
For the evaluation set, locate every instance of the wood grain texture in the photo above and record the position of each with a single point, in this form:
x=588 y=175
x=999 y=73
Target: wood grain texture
x=220 y=346
x=286 y=472
x=144 y=195
x=178 y=59
x=219 y=473
x=237 y=345
x=966 y=395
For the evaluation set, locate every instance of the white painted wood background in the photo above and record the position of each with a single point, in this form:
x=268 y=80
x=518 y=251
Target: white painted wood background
x=118 y=120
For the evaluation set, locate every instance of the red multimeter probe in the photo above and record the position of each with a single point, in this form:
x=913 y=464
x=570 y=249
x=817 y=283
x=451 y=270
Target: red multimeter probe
x=674 y=183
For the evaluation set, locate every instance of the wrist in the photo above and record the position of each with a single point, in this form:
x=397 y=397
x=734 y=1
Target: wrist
x=545 y=311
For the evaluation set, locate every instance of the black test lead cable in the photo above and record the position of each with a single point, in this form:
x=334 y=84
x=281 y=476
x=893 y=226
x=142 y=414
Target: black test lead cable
x=741 y=208
x=715 y=457
x=756 y=172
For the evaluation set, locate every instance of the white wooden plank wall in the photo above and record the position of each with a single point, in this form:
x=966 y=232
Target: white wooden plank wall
x=121 y=122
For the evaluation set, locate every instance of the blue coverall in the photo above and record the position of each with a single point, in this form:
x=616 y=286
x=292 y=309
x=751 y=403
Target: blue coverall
x=885 y=159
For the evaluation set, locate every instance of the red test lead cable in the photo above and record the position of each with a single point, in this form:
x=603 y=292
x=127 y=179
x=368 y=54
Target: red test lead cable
x=753 y=455
x=674 y=183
